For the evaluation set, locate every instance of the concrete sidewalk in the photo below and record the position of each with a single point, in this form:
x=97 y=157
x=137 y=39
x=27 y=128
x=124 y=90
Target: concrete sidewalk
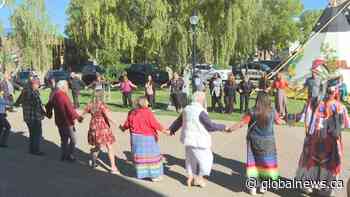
x=24 y=175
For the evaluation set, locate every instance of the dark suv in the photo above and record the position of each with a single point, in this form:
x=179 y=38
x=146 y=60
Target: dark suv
x=254 y=70
x=89 y=73
x=21 y=78
x=138 y=73
x=57 y=75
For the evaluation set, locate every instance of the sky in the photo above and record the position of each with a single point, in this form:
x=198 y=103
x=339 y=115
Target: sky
x=57 y=10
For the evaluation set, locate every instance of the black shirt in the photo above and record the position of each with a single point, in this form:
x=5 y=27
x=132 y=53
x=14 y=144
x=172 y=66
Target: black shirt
x=246 y=87
x=230 y=89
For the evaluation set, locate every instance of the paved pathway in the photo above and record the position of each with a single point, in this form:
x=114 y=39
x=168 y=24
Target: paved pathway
x=23 y=175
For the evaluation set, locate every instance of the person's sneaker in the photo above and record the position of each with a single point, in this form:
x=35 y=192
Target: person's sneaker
x=252 y=192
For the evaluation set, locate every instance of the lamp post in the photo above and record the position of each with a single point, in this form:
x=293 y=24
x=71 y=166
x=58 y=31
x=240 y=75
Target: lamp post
x=194 y=19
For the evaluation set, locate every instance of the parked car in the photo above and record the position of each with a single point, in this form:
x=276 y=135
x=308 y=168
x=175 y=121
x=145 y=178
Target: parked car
x=89 y=73
x=224 y=73
x=254 y=70
x=272 y=64
x=21 y=77
x=57 y=75
x=138 y=73
x=207 y=71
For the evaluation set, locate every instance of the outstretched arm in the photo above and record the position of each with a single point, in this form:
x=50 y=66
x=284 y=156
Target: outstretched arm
x=126 y=124
x=115 y=85
x=176 y=125
x=209 y=125
x=133 y=85
x=245 y=120
x=19 y=100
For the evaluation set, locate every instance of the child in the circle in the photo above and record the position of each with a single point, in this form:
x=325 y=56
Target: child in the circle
x=100 y=134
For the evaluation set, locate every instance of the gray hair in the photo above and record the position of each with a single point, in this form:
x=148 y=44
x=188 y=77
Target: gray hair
x=198 y=96
x=61 y=84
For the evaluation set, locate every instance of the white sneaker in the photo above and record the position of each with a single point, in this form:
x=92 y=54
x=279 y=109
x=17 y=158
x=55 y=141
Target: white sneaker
x=252 y=192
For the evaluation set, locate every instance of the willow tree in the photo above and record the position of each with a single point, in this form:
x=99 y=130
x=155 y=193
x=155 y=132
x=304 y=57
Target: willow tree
x=98 y=29
x=176 y=43
x=308 y=21
x=148 y=19
x=279 y=24
x=34 y=33
x=231 y=26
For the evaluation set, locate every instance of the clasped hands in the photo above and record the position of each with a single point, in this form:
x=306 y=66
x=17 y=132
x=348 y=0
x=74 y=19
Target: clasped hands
x=231 y=129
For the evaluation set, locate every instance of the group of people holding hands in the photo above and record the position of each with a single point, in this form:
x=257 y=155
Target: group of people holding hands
x=320 y=159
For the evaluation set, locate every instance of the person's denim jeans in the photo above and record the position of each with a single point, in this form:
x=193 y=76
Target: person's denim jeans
x=35 y=135
x=68 y=142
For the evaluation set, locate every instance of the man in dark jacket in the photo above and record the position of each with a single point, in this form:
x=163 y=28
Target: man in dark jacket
x=65 y=116
x=245 y=89
x=76 y=85
x=33 y=114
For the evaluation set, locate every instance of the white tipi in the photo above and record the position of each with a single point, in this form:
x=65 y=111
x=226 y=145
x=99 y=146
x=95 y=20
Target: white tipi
x=330 y=37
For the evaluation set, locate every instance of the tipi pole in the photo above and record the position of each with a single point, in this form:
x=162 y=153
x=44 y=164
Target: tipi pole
x=298 y=50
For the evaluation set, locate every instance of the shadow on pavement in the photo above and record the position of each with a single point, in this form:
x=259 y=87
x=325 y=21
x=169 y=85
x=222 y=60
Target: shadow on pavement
x=236 y=181
x=174 y=161
x=24 y=175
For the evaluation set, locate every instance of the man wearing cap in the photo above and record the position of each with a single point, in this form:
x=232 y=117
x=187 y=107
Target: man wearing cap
x=314 y=84
x=65 y=116
x=76 y=85
x=33 y=114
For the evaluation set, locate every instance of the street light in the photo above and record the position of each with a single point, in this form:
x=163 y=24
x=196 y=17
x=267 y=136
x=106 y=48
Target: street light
x=194 y=19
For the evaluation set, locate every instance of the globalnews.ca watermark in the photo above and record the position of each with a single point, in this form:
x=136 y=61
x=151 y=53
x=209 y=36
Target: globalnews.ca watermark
x=252 y=183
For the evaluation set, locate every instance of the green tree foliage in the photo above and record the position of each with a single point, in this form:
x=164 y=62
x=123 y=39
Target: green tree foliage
x=100 y=29
x=34 y=33
x=148 y=31
x=308 y=20
x=1 y=28
x=280 y=24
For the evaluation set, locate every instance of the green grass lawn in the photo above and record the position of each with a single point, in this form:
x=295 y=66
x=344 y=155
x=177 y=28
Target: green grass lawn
x=162 y=98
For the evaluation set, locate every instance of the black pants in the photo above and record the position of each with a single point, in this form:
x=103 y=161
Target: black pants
x=244 y=101
x=176 y=100
x=4 y=129
x=229 y=104
x=152 y=100
x=216 y=101
x=75 y=95
x=127 y=100
x=68 y=142
x=35 y=135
